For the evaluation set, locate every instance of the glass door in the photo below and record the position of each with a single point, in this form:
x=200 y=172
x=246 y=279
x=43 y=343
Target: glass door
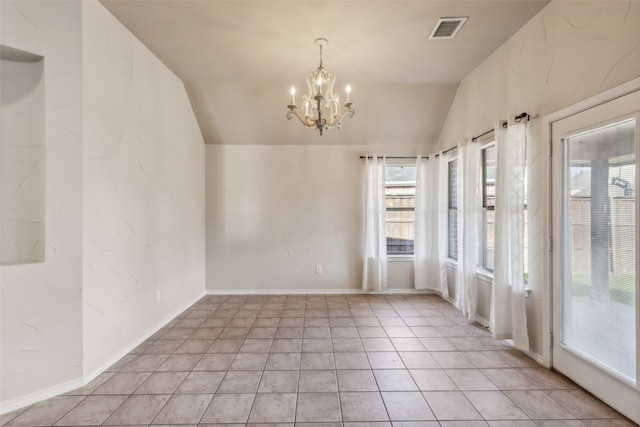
x=595 y=288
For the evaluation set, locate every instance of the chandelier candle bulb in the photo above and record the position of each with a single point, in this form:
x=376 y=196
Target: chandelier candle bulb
x=293 y=95
x=348 y=92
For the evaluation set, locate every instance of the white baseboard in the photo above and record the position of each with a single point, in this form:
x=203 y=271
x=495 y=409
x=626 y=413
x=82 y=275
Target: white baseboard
x=313 y=292
x=532 y=355
x=37 y=396
x=411 y=291
x=450 y=300
x=484 y=322
x=67 y=386
x=148 y=333
x=535 y=356
x=283 y=291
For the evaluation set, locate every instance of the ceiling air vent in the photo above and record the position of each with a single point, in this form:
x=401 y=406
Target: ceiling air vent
x=447 y=28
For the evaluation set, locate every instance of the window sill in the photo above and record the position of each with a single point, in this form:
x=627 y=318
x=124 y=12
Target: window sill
x=485 y=275
x=453 y=263
x=399 y=258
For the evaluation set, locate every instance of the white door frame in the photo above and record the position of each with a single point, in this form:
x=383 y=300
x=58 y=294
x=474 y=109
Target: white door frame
x=547 y=122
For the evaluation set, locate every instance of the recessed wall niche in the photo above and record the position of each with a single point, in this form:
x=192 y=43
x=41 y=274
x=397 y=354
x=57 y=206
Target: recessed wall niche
x=22 y=157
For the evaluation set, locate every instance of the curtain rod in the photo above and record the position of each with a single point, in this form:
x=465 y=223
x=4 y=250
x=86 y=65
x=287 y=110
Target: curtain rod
x=413 y=157
x=447 y=150
x=517 y=119
x=476 y=138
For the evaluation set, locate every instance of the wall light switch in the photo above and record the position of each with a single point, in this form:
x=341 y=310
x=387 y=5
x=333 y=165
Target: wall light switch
x=158 y=295
x=319 y=269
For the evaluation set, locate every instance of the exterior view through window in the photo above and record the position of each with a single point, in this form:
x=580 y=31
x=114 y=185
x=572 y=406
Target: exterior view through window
x=453 y=209
x=488 y=211
x=488 y=206
x=400 y=195
x=600 y=254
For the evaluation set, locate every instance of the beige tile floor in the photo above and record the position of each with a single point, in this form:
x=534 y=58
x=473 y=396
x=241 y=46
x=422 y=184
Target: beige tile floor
x=352 y=361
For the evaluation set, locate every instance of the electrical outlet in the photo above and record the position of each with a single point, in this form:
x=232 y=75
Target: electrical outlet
x=158 y=295
x=319 y=269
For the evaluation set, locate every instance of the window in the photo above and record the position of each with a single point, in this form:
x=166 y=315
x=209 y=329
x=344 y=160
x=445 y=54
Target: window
x=488 y=206
x=525 y=240
x=453 y=209
x=488 y=211
x=400 y=195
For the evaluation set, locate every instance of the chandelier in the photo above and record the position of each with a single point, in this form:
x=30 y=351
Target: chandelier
x=321 y=108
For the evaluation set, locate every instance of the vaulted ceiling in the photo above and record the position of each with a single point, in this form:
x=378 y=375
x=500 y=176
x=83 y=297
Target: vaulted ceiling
x=238 y=60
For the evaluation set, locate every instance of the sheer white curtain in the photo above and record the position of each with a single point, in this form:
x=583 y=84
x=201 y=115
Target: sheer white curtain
x=374 y=275
x=508 y=315
x=430 y=244
x=469 y=203
x=443 y=221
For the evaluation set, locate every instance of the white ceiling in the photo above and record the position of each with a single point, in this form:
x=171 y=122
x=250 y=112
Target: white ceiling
x=239 y=58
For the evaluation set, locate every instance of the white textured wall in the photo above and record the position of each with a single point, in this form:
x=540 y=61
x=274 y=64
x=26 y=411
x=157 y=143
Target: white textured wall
x=41 y=303
x=22 y=168
x=275 y=212
x=567 y=53
x=144 y=223
x=400 y=274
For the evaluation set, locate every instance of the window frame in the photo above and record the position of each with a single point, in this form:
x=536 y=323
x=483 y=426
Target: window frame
x=483 y=270
x=486 y=270
x=525 y=236
x=404 y=255
x=450 y=188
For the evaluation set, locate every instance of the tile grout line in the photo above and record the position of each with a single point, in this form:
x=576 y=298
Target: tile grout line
x=395 y=305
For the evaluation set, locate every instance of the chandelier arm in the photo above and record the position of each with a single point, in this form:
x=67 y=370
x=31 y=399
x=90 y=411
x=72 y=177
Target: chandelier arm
x=306 y=123
x=337 y=119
